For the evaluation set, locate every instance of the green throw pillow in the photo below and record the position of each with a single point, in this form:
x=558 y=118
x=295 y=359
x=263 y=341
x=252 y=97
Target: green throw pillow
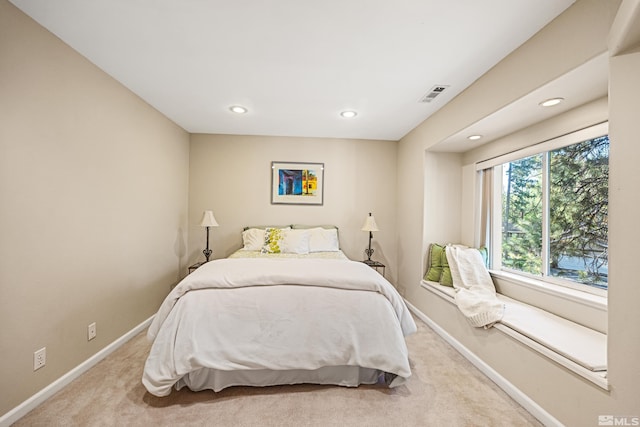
x=484 y=253
x=445 y=279
x=435 y=263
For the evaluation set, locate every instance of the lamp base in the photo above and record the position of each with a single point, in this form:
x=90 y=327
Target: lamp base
x=207 y=251
x=368 y=252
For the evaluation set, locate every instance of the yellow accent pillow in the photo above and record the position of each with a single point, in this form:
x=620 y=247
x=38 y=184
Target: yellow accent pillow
x=272 y=239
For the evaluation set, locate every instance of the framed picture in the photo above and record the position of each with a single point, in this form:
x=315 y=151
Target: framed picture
x=294 y=183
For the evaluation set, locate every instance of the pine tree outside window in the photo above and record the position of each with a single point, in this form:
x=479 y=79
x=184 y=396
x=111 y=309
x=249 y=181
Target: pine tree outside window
x=550 y=219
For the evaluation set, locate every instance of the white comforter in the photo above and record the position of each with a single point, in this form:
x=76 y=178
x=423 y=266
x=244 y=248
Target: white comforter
x=284 y=314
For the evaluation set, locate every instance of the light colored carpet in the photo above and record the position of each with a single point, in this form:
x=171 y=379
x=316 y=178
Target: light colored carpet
x=444 y=390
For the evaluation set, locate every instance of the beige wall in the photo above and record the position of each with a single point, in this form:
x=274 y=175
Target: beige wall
x=93 y=207
x=231 y=175
x=624 y=233
x=575 y=37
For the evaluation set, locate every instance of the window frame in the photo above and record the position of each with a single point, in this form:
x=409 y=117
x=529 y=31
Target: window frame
x=495 y=218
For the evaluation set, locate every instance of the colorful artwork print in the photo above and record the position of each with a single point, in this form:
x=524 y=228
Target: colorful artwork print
x=297 y=183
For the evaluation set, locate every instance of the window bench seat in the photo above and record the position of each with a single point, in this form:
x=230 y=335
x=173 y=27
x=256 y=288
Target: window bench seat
x=574 y=346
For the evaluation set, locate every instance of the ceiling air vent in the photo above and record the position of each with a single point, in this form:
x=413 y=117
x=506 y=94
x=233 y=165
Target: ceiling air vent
x=435 y=91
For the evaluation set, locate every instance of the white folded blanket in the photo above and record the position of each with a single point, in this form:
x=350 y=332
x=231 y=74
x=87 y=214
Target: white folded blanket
x=475 y=293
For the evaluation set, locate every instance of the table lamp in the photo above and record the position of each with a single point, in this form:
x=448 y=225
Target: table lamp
x=370 y=226
x=208 y=221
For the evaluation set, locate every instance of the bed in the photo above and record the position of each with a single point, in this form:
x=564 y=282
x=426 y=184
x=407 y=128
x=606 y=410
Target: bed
x=287 y=308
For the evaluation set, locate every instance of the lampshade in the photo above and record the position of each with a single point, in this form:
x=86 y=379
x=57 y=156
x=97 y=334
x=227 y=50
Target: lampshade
x=370 y=224
x=208 y=220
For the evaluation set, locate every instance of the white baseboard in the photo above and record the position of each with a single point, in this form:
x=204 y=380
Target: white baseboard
x=30 y=404
x=516 y=394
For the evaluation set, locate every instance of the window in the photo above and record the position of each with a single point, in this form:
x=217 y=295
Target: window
x=550 y=205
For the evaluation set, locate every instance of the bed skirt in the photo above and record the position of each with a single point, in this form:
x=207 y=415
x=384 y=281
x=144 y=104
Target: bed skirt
x=346 y=376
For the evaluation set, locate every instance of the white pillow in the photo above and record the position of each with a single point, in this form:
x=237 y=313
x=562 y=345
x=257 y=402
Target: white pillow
x=323 y=240
x=253 y=239
x=295 y=242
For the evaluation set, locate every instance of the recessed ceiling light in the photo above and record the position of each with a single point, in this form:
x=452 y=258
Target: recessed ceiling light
x=474 y=137
x=349 y=114
x=551 y=102
x=238 y=109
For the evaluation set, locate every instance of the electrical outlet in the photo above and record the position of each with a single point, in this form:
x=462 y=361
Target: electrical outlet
x=39 y=358
x=91 y=331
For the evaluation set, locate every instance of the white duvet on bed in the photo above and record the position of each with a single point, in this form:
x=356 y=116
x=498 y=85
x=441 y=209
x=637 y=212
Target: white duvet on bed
x=281 y=315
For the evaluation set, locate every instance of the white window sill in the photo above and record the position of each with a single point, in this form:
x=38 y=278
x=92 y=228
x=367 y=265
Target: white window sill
x=576 y=347
x=578 y=306
x=595 y=301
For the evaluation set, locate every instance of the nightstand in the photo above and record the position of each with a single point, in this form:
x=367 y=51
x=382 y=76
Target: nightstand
x=195 y=266
x=375 y=265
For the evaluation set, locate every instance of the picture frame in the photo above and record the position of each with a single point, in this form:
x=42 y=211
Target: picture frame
x=297 y=183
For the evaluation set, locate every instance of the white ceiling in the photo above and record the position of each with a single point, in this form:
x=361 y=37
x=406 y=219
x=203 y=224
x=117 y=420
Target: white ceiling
x=295 y=64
